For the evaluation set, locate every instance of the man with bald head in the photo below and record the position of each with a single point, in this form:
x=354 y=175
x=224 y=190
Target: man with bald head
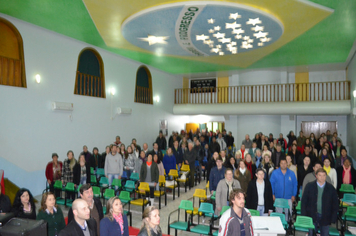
x=82 y=225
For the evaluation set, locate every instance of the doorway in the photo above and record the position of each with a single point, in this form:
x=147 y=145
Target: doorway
x=318 y=127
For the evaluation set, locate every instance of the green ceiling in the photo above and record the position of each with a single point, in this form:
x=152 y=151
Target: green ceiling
x=330 y=41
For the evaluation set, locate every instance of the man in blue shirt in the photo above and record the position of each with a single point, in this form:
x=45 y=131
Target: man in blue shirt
x=216 y=174
x=284 y=185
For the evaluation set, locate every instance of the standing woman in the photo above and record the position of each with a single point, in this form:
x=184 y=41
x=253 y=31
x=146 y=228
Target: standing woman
x=259 y=194
x=150 y=174
x=115 y=222
x=250 y=165
x=330 y=171
x=122 y=150
x=303 y=170
x=159 y=164
x=169 y=161
x=230 y=163
x=139 y=161
x=129 y=162
x=267 y=166
x=243 y=175
x=52 y=214
x=291 y=166
x=53 y=173
x=24 y=206
x=67 y=172
x=135 y=150
x=81 y=172
x=150 y=222
x=346 y=174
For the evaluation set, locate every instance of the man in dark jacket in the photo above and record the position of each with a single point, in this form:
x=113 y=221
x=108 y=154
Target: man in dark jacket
x=189 y=158
x=82 y=224
x=217 y=173
x=320 y=202
x=95 y=206
x=156 y=151
x=278 y=156
x=214 y=146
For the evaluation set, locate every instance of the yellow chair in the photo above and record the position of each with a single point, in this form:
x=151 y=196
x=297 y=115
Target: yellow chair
x=201 y=194
x=159 y=193
x=184 y=168
x=174 y=174
x=142 y=190
x=207 y=188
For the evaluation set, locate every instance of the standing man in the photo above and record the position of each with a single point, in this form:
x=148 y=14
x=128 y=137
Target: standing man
x=82 y=225
x=320 y=202
x=236 y=221
x=94 y=204
x=284 y=185
x=156 y=151
x=161 y=141
x=221 y=142
x=247 y=142
x=189 y=158
x=278 y=155
x=216 y=174
x=311 y=177
x=229 y=139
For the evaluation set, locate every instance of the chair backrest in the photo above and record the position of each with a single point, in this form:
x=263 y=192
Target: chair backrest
x=206 y=208
x=116 y=182
x=144 y=187
x=200 y=193
x=109 y=193
x=185 y=168
x=162 y=180
x=104 y=180
x=173 y=173
x=70 y=187
x=305 y=222
x=207 y=185
x=93 y=179
x=254 y=212
x=347 y=188
x=281 y=216
x=58 y=184
x=124 y=196
x=224 y=208
x=91 y=170
x=186 y=205
x=96 y=190
x=351 y=211
x=281 y=203
x=135 y=176
x=130 y=184
x=349 y=197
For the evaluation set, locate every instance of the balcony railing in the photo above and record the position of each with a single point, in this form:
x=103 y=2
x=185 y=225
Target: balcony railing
x=323 y=91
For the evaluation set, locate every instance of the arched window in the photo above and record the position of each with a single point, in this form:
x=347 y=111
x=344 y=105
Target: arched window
x=90 y=74
x=143 y=91
x=12 y=65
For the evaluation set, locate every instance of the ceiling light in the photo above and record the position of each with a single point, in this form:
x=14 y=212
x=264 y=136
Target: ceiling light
x=354 y=93
x=38 y=78
x=112 y=91
x=156 y=98
x=155 y=39
x=234 y=16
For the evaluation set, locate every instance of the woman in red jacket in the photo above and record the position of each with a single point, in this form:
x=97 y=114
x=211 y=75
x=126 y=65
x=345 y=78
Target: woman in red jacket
x=53 y=173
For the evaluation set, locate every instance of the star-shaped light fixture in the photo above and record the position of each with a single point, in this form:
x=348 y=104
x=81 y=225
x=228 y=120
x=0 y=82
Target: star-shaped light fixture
x=234 y=16
x=155 y=39
x=253 y=21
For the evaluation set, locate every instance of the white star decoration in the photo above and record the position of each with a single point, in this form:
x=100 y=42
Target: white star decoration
x=260 y=34
x=238 y=31
x=211 y=31
x=246 y=37
x=265 y=40
x=234 y=16
x=202 y=37
x=211 y=21
x=238 y=36
x=253 y=21
x=219 y=35
x=221 y=53
x=257 y=28
x=216 y=50
x=155 y=39
x=225 y=40
x=217 y=28
x=232 y=25
x=260 y=44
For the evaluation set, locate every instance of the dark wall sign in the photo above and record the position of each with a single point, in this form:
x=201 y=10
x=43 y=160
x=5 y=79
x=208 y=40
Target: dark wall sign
x=199 y=84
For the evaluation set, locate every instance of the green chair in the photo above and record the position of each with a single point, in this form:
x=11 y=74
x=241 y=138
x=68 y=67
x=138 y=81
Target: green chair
x=100 y=172
x=213 y=196
x=125 y=197
x=282 y=217
x=69 y=188
x=91 y=170
x=96 y=191
x=135 y=177
x=93 y=180
x=349 y=198
x=303 y=223
x=224 y=208
x=180 y=224
x=207 y=210
x=350 y=214
x=58 y=185
x=129 y=186
x=254 y=212
x=104 y=182
x=116 y=184
x=109 y=193
x=298 y=208
x=347 y=188
x=282 y=203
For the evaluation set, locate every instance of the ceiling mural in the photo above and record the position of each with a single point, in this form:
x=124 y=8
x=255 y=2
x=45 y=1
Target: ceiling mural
x=186 y=37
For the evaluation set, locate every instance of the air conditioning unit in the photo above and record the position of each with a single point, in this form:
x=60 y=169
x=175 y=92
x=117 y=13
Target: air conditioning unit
x=62 y=106
x=121 y=110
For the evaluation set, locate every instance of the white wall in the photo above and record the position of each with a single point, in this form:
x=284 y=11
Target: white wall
x=30 y=131
x=351 y=119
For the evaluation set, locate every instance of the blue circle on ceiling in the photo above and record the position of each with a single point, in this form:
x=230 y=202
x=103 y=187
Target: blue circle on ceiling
x=201 y=29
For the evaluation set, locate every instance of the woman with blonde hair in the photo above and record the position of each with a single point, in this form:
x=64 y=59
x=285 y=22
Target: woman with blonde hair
x=52 y=214
x=267 y=165
x=243 y=175
x=150 y=222
x=115 y=222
